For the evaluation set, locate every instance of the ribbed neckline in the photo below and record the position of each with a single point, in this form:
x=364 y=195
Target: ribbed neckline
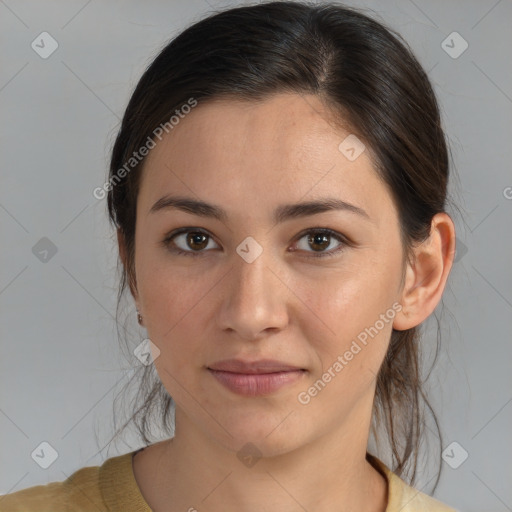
x=394 y=483
x=121 y=492
x=118 y=486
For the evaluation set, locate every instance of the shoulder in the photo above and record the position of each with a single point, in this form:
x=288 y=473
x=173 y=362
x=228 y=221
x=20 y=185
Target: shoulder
x=408 y=499
x=85 y=489
x=42 y=498
x=404 y=498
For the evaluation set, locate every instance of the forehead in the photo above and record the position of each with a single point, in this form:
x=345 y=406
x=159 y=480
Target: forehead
x=283 y=127
x=286 y=146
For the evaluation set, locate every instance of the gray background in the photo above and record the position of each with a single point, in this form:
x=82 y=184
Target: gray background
x=61 y=366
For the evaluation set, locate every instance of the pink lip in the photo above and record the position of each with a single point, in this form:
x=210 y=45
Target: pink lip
x=254 y=384
x=255 y=378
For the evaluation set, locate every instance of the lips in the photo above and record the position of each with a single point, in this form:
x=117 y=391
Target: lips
x=253 y=367
x=256 y=378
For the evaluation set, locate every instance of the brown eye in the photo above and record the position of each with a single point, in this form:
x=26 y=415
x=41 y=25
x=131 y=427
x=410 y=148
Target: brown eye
x=317 y=241
x=196 y=241
x=190 y=242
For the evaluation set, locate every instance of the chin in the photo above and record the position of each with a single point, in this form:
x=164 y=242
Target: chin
x=266 y=437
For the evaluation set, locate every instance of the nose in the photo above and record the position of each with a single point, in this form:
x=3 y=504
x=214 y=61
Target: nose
x=254 y=299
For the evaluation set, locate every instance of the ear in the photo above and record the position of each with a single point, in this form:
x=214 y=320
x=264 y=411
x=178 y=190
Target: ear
x=427 y=273
x=124 y=258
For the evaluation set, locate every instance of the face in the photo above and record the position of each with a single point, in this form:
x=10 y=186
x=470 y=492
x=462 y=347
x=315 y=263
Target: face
x=315 y=288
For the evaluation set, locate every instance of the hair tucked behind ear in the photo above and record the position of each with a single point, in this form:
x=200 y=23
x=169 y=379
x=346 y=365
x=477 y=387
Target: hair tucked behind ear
x=370 y=80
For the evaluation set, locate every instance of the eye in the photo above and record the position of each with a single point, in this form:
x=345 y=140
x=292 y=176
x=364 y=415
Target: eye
x=188 y=241
x=320 y=240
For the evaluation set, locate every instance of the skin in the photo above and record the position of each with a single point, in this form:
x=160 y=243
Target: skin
x=249 y=158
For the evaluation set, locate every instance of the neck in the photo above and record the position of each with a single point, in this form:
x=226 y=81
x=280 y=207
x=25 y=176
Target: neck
x=330 y=473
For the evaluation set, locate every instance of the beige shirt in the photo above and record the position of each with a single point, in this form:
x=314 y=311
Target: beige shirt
x=112 y=487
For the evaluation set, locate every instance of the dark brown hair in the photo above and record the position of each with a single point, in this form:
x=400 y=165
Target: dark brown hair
x=367 y=75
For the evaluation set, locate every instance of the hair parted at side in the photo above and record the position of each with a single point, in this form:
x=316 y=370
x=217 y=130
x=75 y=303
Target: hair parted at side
x=366 y=74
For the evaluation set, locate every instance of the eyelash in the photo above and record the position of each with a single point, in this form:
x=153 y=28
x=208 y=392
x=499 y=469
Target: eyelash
x=315 y=231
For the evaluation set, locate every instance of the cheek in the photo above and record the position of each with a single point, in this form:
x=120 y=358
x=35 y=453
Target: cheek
x=347 y=312
x=348 y=339
x=172 y=298
x=175 y=314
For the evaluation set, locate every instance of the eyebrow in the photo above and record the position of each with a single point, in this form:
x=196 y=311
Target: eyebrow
x=281 y=214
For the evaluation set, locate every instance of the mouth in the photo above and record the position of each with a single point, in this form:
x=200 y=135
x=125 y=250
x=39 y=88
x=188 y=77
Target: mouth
x=258 y=382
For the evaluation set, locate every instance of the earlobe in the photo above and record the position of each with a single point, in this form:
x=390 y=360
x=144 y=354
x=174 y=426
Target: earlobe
x=427 y=273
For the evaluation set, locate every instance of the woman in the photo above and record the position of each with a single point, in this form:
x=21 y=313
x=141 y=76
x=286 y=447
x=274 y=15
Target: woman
x=278 y=187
